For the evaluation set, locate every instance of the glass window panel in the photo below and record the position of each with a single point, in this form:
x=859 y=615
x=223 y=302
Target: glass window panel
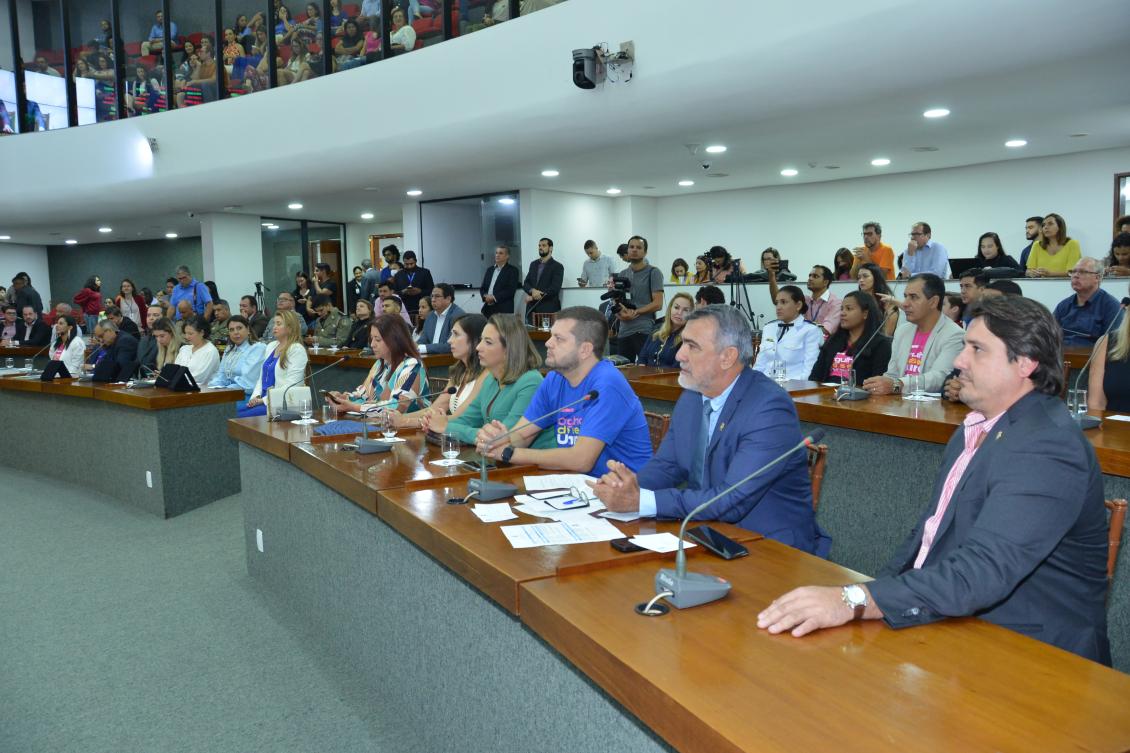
x=529 y=6
x=327 y=245
x=245 y=47
x=43 y=63
x=426 y=20
x=283 y=258
x=351 y=38
x=476 y=15
x=298 y=36
x=196 y=26
x=8 y=120
x=92 y=43
x=143 y=59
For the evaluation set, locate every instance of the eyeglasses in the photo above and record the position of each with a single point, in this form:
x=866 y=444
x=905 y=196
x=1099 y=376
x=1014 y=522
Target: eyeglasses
x=1078 y=272
x=914 y=234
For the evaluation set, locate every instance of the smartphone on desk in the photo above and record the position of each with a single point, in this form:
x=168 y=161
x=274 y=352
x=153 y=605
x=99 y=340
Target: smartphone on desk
x=625 y=545
x=724 y=547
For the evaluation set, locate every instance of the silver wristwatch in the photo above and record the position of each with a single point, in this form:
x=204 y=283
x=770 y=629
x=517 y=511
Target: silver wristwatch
x=855 y=597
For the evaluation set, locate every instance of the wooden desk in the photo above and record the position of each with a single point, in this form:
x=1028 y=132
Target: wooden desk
x=274 y=437
x=658 y=386
x=1076 y=355
x=707 y=679
x=480 y=554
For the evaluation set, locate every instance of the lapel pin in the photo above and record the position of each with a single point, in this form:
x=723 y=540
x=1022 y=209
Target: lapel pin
x=721 y=426
x=998 y=436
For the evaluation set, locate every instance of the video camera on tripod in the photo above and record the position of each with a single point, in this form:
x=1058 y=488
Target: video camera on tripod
x=618 y=294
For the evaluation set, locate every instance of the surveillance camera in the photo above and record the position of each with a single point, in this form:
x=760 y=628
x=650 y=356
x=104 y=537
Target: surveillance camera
x=588 y=69
x=191 y=215
x=706 y=164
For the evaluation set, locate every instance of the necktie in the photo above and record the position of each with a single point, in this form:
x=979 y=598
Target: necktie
x=698 y=463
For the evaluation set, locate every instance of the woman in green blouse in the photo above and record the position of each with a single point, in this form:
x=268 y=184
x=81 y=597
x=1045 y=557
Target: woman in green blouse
x=511 y=364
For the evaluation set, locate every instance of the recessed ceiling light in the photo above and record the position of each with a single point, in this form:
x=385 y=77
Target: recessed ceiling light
x=367 y=215
x=789 y=172
x=686 y=183
x=613 y=191
x=371 y=188
x=1015 y=143
x=272 y=227
x=936 y=112
x=715 y=149
x=506 y=200
x=266 y=224
x=5 y=237
x=170 y=235
x=105 y=229
x=414 y=192
x=880 y=162
x=70 y=242
x=549 y=173
x=294 y=205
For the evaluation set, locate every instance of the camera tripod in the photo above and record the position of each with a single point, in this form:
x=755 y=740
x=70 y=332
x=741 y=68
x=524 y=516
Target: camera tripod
x=739 y=291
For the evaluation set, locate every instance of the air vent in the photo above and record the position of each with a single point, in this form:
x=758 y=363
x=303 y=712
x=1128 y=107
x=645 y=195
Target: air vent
x=831 y=167
x=1079 y=135
x=650 y=188
x=923 y=148
x=717 y=175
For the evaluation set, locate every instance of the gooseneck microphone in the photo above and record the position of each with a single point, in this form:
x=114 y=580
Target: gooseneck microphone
x=37 y=355
x=289 y=415
x=488 y=491
x=685 y=589
x=1083 y=419
x=854 y=392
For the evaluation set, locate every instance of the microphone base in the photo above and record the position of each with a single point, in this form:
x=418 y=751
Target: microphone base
x=372 y=446
x=854 y=393
x=690 y=589
x=489 y=491
x=1085 y=421
x=286 y=415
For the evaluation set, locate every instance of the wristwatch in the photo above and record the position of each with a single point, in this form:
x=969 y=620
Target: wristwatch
x=855 y=597
x=896 y=386
x=507 y=454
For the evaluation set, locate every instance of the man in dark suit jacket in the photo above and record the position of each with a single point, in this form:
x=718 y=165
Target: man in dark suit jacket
x=752 y=422
x=543 y=281
x=500 y=283
x=1016 y=532
x=32 y=330
x=123 y=322
x=412 y=283
x=119 y=359
x=444 y=313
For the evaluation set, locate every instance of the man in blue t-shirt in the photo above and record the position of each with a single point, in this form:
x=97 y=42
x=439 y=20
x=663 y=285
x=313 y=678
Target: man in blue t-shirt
x=192 y=290
x=589 y=432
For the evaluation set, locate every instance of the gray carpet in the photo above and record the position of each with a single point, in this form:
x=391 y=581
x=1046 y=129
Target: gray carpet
x=122 y=632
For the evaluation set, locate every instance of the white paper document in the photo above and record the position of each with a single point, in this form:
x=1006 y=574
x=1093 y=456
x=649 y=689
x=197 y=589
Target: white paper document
x=557 y=481
x=540 y=509
x=1119 y=418
x=493 y=512
x=623 y=517
x=303 y=421
x=447 y=463
x=581 y=530
x=660 y=542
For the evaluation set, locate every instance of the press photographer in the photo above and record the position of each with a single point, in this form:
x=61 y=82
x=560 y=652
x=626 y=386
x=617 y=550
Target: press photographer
x=636 y=294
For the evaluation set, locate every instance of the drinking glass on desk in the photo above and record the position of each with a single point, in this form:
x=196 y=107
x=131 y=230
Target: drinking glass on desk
x=305 y=408
x=1079 y=402
x=28 y=364
x=916 y=386
x=780 y=373
x=328 y=413
x=10 y=362
x=387 y=424
x=450 y=446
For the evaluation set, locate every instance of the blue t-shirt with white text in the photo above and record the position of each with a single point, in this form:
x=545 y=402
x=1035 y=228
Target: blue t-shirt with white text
x=615 y=417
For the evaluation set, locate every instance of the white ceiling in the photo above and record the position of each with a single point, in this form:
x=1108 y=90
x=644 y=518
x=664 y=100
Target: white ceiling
x=827 y=85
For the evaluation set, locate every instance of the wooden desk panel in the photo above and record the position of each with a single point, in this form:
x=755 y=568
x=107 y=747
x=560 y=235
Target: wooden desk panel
x=159 y=398
x=480 y=554
x=707 y=679
x=68 y=387
x=662 y=383
x=1076 y=355
x=21 y=384
x=273 y=437
x=929 y=421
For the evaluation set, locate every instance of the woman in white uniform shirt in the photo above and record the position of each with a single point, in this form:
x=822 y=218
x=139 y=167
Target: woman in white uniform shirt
x=198 y=353
x=285 y=362
x=790 y=340
x=66 y=345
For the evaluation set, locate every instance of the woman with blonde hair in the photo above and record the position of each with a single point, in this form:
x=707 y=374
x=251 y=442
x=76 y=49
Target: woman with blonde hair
x=1108 y=385
x=169 y=341
x=284 y=366
x=661 y=347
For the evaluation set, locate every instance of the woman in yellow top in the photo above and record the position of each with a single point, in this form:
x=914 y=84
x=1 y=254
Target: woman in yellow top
x=1053 y=253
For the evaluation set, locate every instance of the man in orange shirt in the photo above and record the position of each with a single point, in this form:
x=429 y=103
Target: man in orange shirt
x=874 y=251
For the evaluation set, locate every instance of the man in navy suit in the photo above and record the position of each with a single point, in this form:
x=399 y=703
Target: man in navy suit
x=750 y=421
x=119 y=358
x=31 y=329
x=1016 y=531
x=437 y=327
x=500 y=283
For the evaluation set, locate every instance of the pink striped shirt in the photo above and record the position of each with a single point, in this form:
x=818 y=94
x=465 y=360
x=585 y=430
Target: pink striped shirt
x=976 y=427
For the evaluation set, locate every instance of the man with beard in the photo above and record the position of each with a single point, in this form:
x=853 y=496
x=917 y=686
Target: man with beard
x=1032 y=227
x=729 y=421
x=543 y=282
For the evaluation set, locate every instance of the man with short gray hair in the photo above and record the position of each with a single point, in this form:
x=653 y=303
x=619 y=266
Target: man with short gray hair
x=729 y=421
x=188 y=288
x=1086 y=315
x=117 y=358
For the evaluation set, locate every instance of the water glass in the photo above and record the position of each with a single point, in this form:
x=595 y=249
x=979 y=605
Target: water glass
x=387 y=424
x=916 y=386
x=1079 y=402
x=15 y=343
x=328 y=413
x=450 y=446
x=780 y=373
x=28 y=364
x=10 y=363
x=315 y=347
x=305 y=408
x=543 y=325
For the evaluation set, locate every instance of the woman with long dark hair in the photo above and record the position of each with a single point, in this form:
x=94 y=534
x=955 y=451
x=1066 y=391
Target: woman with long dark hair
x=990 y=253
x=66 y=345
x=359 y=331
x=398 y=379
x=855 y=345
x=465 y=375
x=133 y=304
x=873 y=281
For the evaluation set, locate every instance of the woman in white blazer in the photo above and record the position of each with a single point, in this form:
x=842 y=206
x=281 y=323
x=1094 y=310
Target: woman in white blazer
x=67 y=346
x=284 y=366
x=790 y=340
x=198 y=353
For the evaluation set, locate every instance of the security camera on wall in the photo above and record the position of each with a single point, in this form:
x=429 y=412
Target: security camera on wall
x=588 y=68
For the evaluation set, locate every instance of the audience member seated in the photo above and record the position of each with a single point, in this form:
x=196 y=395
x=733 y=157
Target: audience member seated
x=155 y=43
x=119 y=353
x=199 y=355
x=709 y=295
x=509 y=379
x=423 y=311
x=169 y=342
x=589 y=433
x=790 y=342
x=284 y=364
x=990 y=253
x=349 y=52
x=1001 y=287
x=147 y=343
x=954 y=308
x=221 y=315
x=872 y=282
x=971 y=282
x=721 y=391
x=143 y=91
x=466 y=376
x=397 y=382
x=679 y=274
x=1053 y=254
x=115 y=315
x=67 y=345
x=701 y=271
x=202 y=75
x=132 y=304
x=873 y=251
x=823 y=307
x=359 y=329
x=860 y=317
x=926 y=345
x=1118 y=262
x=664 y=343
x=841 y=265
x=243 y=360
x=437 y=325
x=1018 y=533
x=9 y=328
x=298 y=67
x=331 y=328
x=1108 y=382
x=337 y=17
x=286 y=28
x=721 y=265
x=31 y=330
x=249 y=310
x=500 y=283
x=89 y=301
x=1086 y=314
x=285 y=302
x=924 y=255
x=394 y=306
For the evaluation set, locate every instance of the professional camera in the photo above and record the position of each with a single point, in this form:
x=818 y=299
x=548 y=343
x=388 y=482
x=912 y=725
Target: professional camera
x=618 y=294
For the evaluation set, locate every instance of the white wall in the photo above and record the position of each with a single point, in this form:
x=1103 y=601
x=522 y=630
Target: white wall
x=451 y=240
x=16 y=258
x=232 y=250
x=570 y=220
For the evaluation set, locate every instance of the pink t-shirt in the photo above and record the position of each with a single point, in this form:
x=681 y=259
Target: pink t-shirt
x=841 y=364
x=917 y=353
